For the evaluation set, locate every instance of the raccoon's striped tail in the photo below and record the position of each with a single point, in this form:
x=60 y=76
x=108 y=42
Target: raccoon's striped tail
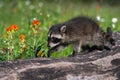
x=109 y=36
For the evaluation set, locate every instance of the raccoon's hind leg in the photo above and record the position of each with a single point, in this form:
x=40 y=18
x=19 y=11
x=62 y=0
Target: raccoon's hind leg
x=104 y=40
x=99 y=42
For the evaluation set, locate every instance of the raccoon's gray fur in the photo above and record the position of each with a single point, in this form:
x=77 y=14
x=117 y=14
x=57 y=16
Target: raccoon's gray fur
x=79 y=31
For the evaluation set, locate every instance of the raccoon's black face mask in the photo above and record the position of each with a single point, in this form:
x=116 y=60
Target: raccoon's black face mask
x=55 y=40
x=55 y=36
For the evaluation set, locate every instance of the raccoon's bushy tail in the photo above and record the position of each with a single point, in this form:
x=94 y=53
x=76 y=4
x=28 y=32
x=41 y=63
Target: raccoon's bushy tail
x=109 y=36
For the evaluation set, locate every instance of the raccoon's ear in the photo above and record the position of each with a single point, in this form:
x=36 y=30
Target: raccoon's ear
x=63 y=28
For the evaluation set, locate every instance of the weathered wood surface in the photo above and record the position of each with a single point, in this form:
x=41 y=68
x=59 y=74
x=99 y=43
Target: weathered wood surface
x=96 y=65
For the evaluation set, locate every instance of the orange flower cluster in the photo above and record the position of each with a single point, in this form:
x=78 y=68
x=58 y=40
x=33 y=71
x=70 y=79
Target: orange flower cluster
x=35 y=22
x=22 y=43
x=40 y=53
x=12 y=28
x=22 y=37
x=35 y=26
x=97 y=7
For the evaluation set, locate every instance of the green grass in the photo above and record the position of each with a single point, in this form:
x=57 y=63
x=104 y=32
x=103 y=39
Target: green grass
x=48 y=13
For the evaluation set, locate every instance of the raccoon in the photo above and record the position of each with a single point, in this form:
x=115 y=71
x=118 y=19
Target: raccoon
x=79 y=31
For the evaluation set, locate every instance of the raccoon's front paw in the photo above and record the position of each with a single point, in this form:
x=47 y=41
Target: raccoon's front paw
x=49 y=53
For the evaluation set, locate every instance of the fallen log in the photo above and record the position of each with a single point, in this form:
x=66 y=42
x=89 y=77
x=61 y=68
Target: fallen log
x=95 y=65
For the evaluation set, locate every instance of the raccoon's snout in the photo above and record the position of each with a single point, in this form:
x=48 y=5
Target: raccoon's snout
x=53 y=41
x=51 y=44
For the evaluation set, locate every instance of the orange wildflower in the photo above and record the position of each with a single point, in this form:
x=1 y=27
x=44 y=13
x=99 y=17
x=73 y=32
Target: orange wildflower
x=40 y=53
x=22 y=37
x=97 y=7
x=24 y=48
x=8 y=29
x=35 y=22
x=12 y=28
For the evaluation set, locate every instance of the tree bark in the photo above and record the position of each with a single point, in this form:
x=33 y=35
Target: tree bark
x=95 y=65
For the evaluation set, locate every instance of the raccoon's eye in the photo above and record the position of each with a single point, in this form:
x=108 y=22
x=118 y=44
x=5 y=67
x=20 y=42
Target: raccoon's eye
x=56 y=40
